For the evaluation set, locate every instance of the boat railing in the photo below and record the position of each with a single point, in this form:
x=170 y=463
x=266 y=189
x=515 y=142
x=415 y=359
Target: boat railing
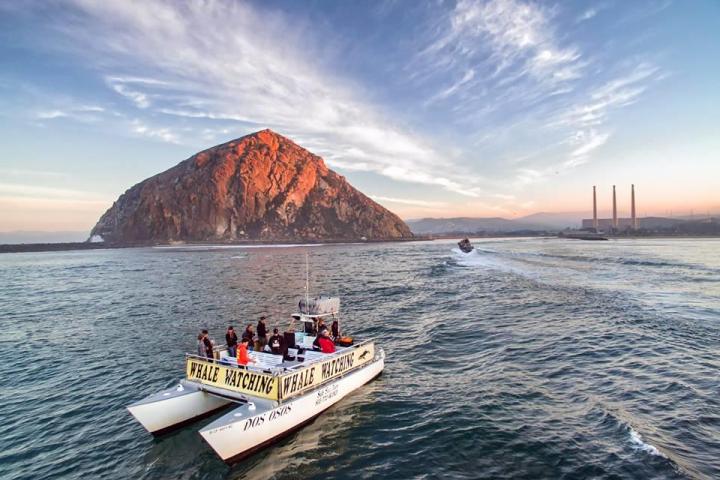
x=277 y=370
x=328 y=356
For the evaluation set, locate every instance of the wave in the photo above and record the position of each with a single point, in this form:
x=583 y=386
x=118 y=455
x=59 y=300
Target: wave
x=639 y=444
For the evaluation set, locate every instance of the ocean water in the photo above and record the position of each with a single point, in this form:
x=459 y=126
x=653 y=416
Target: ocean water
x=529 y=358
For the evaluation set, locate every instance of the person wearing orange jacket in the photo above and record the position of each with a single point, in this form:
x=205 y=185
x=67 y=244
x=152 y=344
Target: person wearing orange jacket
x=242 y=353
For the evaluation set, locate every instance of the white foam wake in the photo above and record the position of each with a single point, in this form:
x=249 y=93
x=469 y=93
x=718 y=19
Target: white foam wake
x=637 y=441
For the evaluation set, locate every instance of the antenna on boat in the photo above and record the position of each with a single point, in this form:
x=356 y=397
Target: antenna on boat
x=307 y=284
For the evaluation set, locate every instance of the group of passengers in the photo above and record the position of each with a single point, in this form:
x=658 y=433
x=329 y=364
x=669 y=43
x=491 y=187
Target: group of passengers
x=275 y=344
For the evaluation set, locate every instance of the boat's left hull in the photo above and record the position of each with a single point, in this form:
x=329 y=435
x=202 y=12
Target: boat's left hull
x=175 y=407
x=243 y=432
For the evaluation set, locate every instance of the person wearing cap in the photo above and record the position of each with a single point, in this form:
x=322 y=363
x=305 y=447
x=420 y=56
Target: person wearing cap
x=276 y=343
x=231 y=339
x=325 y=342
x=262 y=335
x=243 y=358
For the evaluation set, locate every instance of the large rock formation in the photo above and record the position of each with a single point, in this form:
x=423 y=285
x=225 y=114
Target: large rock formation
x=258 y=187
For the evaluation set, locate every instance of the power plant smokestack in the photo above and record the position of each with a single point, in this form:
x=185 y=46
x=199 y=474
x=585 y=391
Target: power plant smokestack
x=632 y=207
x=595 y=221
x=615 y=220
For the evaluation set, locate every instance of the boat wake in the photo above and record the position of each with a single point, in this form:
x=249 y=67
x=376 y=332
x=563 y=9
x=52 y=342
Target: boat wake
x=478 y=258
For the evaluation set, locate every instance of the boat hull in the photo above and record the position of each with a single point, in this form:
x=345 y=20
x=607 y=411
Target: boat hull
x=244 y=431
x=172 y=408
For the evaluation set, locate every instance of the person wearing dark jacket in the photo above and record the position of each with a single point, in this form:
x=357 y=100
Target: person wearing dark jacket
x=249 y=334
x=262 y=335
x=231 y=339
x=208 y=345
x=335 y=328
x=276 y=343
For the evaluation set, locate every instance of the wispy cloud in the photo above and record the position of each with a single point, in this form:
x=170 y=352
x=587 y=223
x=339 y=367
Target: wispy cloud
x=258 y=77
x=516 y=37
x=590 y=13
x=49 y=114
x=83 y=113
x=31 y=190
x=165 y=134
x=408 y=201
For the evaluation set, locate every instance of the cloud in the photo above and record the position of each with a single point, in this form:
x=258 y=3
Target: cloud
x=44 y=192
x=516 y=37
x=585 y=143
x=84 y=113
x=138 y=98
x=235 y=71
x=588 y=14
x=408 y=201
x=161 y=133
x=50 y=114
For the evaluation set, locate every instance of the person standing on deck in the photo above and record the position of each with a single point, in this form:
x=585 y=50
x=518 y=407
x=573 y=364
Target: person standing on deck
x=249 y=334
x=335 y=327
x=231 y=339
x=208 y=345
x=262 y=335
x=276 y=343
x=243 y=358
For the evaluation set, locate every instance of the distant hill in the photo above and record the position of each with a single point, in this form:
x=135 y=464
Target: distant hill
x=469 y=225
x=557 y=221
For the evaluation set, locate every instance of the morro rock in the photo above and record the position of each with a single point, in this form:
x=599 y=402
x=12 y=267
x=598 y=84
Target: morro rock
x=258 y=187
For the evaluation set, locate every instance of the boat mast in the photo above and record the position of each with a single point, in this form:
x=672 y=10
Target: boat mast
x=307 y=285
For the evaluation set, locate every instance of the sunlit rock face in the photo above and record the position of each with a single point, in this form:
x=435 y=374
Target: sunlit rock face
x=258 y=187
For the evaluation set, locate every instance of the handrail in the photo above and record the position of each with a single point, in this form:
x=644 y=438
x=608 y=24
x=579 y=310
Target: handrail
x=279 y=370
x=322 y=359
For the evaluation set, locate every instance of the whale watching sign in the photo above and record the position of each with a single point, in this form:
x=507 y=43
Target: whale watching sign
x=278 y=387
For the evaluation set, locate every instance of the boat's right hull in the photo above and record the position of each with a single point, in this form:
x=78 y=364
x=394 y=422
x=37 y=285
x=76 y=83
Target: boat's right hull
x=241 y=432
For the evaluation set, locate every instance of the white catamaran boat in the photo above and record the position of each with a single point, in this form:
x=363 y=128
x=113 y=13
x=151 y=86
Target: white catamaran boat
x=273 y=397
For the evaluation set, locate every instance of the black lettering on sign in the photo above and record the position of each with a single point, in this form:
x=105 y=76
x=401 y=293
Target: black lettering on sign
x=215 y=374
x=337 y=366
x=193 y=369
x=254 y=422
x=279 y=412
x=230 y=377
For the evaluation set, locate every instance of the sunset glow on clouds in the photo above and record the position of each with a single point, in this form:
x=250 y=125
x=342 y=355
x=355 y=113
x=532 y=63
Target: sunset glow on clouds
x=475 y=108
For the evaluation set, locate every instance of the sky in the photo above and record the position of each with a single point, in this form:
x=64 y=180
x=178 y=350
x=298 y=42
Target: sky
x=433 y=109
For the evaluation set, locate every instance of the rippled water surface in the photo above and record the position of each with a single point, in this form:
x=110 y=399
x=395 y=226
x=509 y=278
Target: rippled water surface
x=526 y=359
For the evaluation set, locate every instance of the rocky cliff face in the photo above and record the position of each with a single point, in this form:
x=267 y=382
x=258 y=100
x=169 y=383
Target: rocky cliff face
x=258 y=187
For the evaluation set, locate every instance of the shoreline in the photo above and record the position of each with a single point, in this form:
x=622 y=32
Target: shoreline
x=72 y=246
x=69 y=246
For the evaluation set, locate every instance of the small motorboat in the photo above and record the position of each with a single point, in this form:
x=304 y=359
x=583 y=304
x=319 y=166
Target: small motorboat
x=272 y=397
x=465 y=245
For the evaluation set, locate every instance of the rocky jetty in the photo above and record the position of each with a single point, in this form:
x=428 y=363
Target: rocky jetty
x=261 y=187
